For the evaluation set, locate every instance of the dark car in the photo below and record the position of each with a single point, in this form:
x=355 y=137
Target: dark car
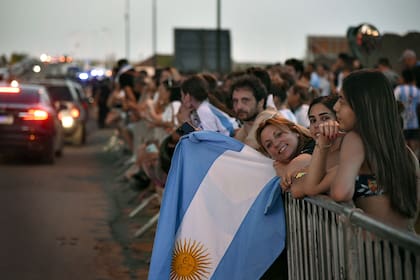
x=29 y=123
x=70 y=97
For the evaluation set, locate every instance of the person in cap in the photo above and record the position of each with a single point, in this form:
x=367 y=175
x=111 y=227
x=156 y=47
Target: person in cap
x=409 y=61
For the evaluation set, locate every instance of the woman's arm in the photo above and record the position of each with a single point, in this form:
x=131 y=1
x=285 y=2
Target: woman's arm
x=311 y=183
x=300 y=186
x=352 y=156
x=317 y=179
x=287 y=171
x=152 y=115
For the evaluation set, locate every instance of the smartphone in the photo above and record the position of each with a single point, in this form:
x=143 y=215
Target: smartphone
x=185 y=128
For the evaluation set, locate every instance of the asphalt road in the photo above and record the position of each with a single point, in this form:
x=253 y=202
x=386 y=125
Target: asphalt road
x=70 y=220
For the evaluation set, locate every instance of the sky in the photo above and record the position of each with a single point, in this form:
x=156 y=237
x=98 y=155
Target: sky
x=263 y=31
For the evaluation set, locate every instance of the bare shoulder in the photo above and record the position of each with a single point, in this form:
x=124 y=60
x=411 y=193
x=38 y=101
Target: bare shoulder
x=299 y=163
x=352 y=151
x=352 y=142
x=302 y=159
x=352 y=136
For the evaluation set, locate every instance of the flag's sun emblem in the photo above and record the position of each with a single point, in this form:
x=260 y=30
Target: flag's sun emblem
x=190 y=260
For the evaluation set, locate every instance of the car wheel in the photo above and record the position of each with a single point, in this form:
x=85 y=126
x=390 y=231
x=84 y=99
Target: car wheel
x=49 y=156
x=84 y=135
x=59 y=152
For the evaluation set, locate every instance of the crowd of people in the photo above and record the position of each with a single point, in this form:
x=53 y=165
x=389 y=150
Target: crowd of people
x=342 y=130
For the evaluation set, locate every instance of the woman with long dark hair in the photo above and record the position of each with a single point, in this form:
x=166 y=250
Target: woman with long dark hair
x=317 y=178
x=376 y=168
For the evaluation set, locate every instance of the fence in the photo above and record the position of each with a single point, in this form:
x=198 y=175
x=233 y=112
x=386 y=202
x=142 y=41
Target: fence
x=327 y=240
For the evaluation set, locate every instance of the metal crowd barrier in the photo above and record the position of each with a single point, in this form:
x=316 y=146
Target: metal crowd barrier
x=327 y=240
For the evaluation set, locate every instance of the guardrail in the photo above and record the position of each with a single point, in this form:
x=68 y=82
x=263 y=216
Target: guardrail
x=327 y=240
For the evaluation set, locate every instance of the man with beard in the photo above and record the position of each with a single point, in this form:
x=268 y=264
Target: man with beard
x=248 y=99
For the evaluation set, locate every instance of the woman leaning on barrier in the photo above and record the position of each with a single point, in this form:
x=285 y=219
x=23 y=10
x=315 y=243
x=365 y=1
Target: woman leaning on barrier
x=290 y=146
x=376 y=169
x=317 y=178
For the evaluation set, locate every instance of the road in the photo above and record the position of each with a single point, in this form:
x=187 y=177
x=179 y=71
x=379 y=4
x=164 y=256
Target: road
x=70 y=220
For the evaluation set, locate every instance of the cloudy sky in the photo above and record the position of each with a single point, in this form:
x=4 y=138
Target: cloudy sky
x=261 y=31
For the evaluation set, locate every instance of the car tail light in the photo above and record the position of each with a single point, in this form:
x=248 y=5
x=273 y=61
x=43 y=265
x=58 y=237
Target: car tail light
x=75 y=113
x=34 y=115
x=13 y=88
x=9 y=89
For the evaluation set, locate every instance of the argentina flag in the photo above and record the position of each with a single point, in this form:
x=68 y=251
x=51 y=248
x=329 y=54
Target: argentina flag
x=219 y=217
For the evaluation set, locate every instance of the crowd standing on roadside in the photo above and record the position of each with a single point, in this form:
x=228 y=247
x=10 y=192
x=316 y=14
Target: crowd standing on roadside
x=340 y=130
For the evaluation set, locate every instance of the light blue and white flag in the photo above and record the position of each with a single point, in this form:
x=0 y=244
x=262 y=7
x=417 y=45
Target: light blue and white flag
x=218 y=218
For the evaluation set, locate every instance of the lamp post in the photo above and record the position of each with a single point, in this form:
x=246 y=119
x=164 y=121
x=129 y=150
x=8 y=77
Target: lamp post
x=127 y=29
x=218 y=66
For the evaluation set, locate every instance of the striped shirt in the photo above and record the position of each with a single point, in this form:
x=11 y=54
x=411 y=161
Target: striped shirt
x=409 y=96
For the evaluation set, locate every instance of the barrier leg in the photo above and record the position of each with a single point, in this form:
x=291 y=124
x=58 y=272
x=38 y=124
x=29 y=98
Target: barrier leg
x=148 y=225
x=144 y=203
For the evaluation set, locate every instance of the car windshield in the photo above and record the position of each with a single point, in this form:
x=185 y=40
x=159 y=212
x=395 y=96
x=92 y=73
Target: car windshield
x=25 y=97
x=60 y=93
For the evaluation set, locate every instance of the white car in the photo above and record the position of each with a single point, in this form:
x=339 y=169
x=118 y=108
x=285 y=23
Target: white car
x=70 y=97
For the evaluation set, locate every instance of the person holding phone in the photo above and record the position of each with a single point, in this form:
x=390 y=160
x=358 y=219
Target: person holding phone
x=199 y=112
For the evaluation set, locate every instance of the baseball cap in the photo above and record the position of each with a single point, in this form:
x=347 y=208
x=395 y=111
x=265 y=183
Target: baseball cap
x=407 y=54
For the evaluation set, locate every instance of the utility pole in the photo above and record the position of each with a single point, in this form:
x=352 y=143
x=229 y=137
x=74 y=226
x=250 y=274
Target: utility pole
x=127 y=29
x=218 y=66
x=154 y=39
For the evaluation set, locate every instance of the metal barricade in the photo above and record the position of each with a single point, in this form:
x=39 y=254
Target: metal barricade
x=328 y=240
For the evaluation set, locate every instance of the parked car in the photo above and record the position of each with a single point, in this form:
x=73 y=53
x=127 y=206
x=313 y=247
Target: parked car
x=70 y=97
x=29 y=122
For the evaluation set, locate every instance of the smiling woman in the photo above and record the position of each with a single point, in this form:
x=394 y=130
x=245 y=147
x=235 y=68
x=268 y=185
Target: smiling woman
x=288 y=144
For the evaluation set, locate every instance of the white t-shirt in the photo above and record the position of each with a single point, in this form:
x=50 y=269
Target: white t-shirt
x=270 y=102
x=301 y=114
x=288 y=114
x=170 y=112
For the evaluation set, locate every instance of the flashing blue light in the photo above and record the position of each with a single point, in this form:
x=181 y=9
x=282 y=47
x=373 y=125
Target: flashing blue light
x=97 y=72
